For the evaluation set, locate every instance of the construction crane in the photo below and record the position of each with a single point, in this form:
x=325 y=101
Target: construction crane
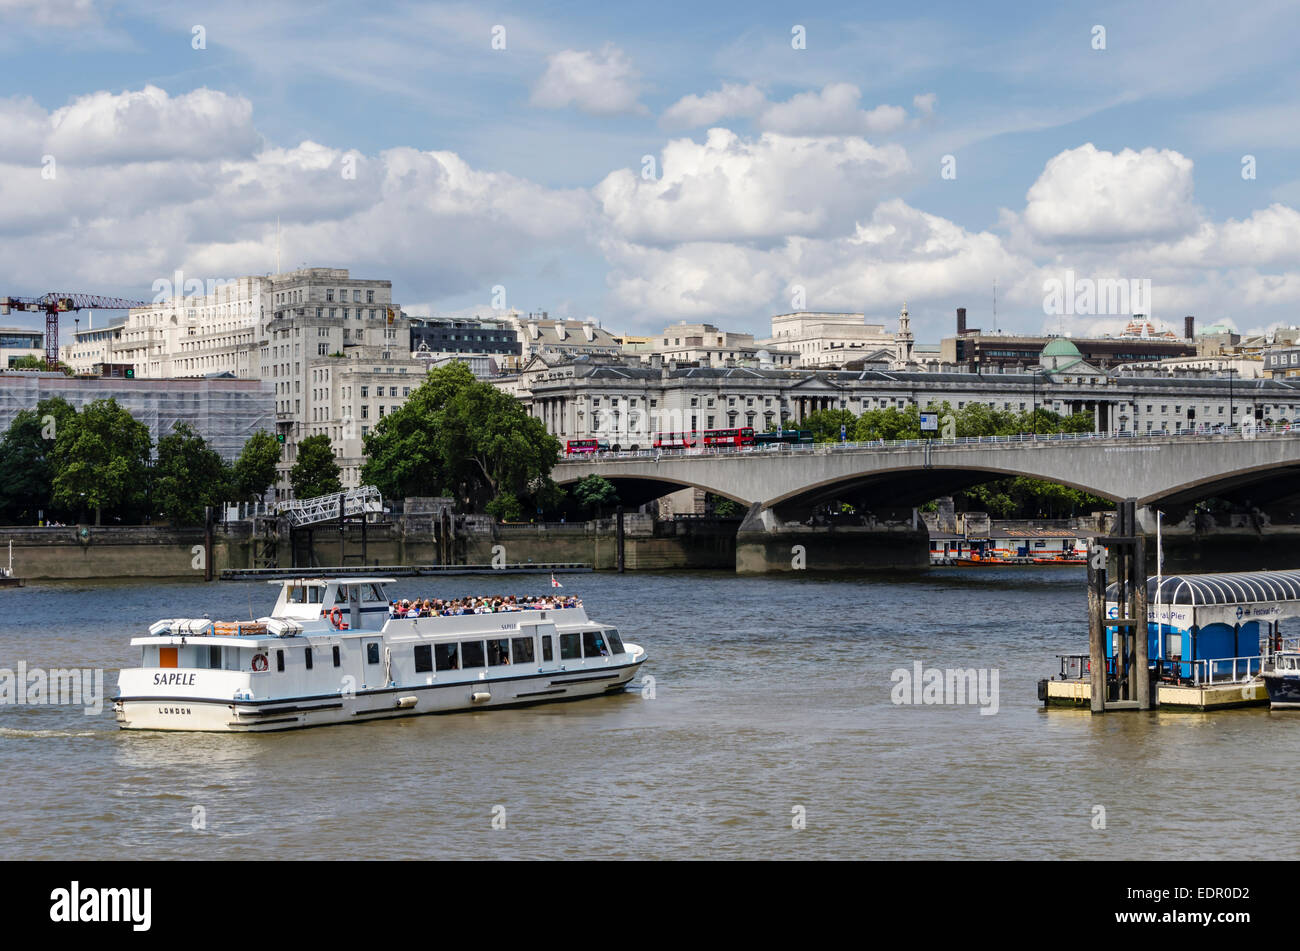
x=57 y=302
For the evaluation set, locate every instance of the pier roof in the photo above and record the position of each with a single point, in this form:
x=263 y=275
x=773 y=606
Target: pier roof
x=1240 y=587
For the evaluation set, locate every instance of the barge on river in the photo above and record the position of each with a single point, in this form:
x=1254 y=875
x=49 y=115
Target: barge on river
x=331 y=652
x=1213 y=640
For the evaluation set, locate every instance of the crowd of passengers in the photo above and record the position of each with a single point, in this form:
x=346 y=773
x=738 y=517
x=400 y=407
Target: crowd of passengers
x=437 y=607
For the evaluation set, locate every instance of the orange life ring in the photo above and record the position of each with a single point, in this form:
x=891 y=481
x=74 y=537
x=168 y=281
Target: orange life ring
x=336 y=618
x=259 y=663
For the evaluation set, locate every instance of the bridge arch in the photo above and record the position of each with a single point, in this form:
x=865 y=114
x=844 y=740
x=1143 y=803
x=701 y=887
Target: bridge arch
x=907 y=486
x=640 y=488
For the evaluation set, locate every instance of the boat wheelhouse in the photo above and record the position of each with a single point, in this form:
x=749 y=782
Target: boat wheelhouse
x=331 y=652
x=1211 y=639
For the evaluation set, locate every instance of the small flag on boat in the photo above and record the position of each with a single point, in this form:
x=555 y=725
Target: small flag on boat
x=554 y=583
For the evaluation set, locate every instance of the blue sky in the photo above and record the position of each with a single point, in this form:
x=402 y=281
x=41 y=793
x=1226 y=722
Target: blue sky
x=774 y=168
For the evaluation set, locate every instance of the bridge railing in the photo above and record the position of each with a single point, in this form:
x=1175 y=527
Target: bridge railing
x=1221 y=432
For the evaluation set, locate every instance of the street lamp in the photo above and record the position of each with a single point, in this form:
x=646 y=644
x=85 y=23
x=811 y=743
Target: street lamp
x=1231 y=411
x=1033 y=378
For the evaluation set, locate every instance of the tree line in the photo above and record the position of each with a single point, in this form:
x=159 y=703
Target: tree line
x=58 y=463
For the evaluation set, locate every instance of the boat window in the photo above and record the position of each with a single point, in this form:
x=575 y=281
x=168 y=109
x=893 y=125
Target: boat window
x=232 y=658
x=547 y=656
x=498 y=651
x=279 y=661
x=214 y=657
x=594 y=645
x=570 y=646
x=423 y=658
x=372 y=652
x=305 y=594
x=376 y=593
x=336 y=655
x=615 y=642
x=306 y=652
x=471 y=654
x=523 y=650
x=447 y=656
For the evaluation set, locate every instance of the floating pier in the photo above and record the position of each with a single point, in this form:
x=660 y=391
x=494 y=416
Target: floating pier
x=401 y=571
x=1184 y=642
x=1189 y=697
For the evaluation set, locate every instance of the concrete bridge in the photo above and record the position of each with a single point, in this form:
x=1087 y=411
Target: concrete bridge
x=781 y=487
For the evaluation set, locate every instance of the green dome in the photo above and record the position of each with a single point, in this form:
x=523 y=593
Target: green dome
x=1061 y=347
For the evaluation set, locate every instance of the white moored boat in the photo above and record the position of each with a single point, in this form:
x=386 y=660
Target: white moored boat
x=331 y=653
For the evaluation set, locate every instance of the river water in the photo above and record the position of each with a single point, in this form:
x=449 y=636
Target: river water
x=772 y=707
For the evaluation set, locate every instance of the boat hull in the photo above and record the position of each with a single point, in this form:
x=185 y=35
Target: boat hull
x=1283 y=690
x=199 y=714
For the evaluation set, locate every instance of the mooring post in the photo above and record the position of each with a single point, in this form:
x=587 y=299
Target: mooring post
x=1097 y=635
x=1142 y=673
x=619 y=530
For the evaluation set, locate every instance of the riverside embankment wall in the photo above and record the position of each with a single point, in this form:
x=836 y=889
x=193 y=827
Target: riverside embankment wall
x=88 y=552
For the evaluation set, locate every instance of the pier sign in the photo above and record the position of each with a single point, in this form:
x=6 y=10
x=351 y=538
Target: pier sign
x=1184 y=616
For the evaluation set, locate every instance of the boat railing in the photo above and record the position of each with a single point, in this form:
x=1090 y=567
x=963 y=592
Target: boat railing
x=1225 y=670
x=1074 y=666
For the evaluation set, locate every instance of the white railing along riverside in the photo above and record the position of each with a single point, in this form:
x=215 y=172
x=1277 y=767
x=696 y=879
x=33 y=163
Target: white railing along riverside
x=1236 y=432
x=363 y=500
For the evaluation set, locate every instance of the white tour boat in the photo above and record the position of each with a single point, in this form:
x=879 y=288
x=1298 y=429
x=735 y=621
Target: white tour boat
x=331 y=653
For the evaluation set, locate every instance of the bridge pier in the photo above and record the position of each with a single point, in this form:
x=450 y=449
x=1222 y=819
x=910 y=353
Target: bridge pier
x=766 y=544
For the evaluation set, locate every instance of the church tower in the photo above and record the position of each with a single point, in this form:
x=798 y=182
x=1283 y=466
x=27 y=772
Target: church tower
x=903 y=339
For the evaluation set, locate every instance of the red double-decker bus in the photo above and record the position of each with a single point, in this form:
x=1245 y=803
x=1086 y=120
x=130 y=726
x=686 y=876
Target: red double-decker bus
x=739 y=438
x=677 y=440
x=576 y=447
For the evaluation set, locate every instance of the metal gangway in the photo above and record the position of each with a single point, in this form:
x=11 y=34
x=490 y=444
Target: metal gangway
x=363 y=500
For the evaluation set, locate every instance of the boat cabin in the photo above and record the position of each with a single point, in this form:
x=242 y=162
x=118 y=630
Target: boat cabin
x=360 y=601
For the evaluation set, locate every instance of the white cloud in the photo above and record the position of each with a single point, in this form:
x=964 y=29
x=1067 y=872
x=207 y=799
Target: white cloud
x=835 y=109
x=730 y=188
x=1087 y=194
x=602 y=84
x=924 y=102
x=49 y=12
x=898 y=253
x=144 y=125
x=732 y=99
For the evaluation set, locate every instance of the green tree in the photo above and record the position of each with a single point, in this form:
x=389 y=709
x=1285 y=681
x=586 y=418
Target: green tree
x=595 y=493
x=825 y=424
x=254 y=471
x=100 y=459
x=889 y=423
x=315 y=473
x=188 y=476
x=38 y=363
x=722 y=506
x=26 y=472
x=462 y=437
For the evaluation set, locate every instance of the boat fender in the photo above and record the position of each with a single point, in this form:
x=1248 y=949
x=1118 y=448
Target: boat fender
x=479 y=696
x=406 y=703
x=259 y=663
